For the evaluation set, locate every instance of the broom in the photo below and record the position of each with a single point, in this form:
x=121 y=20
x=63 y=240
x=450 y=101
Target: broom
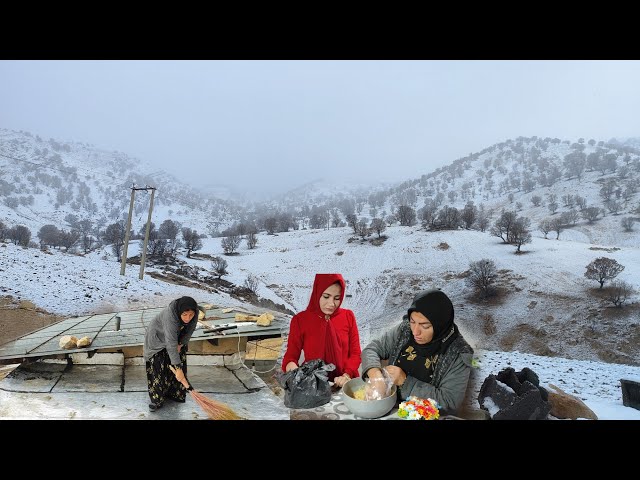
x=215 y=410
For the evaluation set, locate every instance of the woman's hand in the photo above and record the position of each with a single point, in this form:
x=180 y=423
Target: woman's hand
x=341 y=380
x=397 y=374
x=291 y=366
x=376 y=386
x=179 y=347
x=179 y=376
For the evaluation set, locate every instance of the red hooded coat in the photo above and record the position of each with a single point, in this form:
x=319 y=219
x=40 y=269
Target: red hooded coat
x=335 y=340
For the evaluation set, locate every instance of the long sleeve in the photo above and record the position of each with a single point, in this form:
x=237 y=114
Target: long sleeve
x=294 y=343
x=450 y=394
x=379 y=349
x=354 y=357
x=170 y=326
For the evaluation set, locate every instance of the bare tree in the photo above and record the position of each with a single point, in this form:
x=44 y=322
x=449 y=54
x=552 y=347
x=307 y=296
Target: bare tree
x=503 y=225
x=618 y=292
x=556 y=225
x=469 y=215
x=482 y=276
x=536 y=200
x=69 y=239
x=406 y=215
x=590 y=214
x=378 y=226
x=390 y=220
x=192 y=241
x=627 y=224
x=115 y=234
x=230 y=244
x=19 y=235
x=219 y=266
x=352 y=221
x=603 y=269
x=520 y=233
x=545 y=226
x=614 y=206
x=252 y=240
x=270 y=225
x=362 y=229
x=252 y=283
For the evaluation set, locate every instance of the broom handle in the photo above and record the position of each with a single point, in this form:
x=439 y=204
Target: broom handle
x=188 y=385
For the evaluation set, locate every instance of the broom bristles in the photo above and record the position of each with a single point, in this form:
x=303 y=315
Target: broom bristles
x=215 y=410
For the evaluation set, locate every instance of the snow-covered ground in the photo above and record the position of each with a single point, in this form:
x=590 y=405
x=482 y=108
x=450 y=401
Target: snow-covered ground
x=547 y=287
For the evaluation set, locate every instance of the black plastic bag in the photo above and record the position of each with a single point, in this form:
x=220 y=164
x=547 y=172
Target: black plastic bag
x=307 y=386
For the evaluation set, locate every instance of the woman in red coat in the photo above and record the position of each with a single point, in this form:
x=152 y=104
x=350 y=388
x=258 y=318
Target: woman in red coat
x=325 y=331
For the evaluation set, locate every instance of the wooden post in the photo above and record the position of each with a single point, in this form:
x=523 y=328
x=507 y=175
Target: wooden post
x=126 y=235
x=143 y=256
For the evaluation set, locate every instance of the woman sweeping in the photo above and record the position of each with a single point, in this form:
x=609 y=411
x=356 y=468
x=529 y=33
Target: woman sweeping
x=165 y=345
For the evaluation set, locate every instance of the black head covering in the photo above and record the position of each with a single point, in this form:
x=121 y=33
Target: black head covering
x=437 y=307
x=186 y=303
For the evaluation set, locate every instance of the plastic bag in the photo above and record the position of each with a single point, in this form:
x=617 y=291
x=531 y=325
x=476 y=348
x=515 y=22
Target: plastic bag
x=307 y=386
x=378 y=388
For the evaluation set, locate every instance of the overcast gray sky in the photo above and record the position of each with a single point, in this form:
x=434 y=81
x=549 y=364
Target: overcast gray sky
x=273 y=125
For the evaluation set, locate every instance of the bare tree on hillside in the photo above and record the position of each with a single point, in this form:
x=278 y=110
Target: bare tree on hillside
x=270 y=225
x=230 y=244
x=469 y=215
x=390 y=220
x=613 y=206
x=520 y=233
x=252 y=240
x=627 y=224
x=482 y=276
x=378 y=226
x=192 y=240
x=352 y=221
x=251 y=283
x=19 y=235
x=603 y=269
x=69 y=239
x=406 y=215
x=590 y=214
x=503 y=225
x=556 y=225
x=115 y=234
x=618 y=292
x=545 y=226
x=362 y=229
x=85 y=227
x=219 y=266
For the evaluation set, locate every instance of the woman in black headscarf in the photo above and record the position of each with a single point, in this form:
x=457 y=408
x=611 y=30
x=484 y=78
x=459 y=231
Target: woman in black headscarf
x=428 y=357
x=165 y=345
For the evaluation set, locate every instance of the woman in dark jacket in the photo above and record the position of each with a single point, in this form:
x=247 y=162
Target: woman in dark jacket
x=165 y=345
x=428 y=357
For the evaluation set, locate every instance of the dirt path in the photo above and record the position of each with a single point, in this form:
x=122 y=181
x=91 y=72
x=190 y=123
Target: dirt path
x=19 y=317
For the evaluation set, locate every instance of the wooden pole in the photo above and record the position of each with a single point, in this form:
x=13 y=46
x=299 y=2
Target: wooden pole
x=126 y=235
x=143 y=257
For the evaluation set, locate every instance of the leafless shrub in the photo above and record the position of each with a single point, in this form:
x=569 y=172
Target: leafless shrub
x=618 y=293
x=482 y=276
x=251 y=283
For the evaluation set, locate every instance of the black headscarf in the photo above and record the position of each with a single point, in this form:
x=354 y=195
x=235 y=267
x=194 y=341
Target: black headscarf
x=437 y=307
x=186 y=303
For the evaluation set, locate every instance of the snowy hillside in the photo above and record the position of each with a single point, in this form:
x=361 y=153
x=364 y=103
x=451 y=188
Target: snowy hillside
x=546 y=305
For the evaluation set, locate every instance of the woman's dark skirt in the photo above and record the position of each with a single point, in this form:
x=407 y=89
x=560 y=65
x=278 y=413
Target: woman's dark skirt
x=161 y=381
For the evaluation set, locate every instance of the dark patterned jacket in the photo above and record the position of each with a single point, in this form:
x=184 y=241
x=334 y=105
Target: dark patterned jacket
x=450 y=375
